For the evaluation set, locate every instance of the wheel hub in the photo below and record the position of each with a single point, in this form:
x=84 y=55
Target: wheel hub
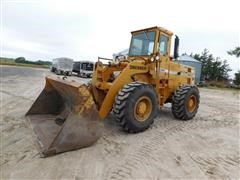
x=192 y=102
x=142 y=109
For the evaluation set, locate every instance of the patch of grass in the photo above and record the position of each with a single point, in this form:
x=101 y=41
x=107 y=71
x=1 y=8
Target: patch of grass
x=234 y=90
x=220 y=85
x=11 y=62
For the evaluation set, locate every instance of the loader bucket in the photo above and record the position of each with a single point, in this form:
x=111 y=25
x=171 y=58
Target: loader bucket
x=64 y=117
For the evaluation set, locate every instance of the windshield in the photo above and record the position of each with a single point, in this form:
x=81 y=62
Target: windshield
x=142 y=44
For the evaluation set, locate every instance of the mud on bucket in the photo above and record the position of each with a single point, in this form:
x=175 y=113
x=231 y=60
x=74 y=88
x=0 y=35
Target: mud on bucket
x=64 y=117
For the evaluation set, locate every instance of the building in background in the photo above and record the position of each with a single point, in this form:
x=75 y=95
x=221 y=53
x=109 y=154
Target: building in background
x=190 y=61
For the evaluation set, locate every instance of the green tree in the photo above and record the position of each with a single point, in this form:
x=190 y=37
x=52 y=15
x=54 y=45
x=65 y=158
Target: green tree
x=20 y=60
x=235 y=52
x=212 y=68
x=39 y=62
x=237 y=78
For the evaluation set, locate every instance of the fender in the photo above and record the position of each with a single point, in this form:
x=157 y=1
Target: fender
x=134 y=67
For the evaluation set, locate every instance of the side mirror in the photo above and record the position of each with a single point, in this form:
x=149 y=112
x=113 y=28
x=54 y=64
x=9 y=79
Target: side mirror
x=176 y=47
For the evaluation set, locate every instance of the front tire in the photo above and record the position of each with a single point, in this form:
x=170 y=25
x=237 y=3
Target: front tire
x=136 y=107
x=185 y=102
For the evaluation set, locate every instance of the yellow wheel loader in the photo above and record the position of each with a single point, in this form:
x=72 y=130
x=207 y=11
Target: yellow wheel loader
x=67 y=115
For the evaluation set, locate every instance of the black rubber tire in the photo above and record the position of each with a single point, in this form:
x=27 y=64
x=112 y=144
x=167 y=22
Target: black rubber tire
x=68 y=73
x=125 y=101
x=58 y=72
x=179 y=102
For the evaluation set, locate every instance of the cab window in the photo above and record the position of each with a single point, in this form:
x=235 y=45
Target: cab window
x=163 y=44
x=142 y=44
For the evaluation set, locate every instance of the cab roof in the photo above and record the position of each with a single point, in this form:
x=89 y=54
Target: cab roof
x=154 y=28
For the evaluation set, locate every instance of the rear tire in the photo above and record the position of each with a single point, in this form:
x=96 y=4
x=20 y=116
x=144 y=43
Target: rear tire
x=135 y=107
x=68 y=73
x=185 y=102
x=58 y=72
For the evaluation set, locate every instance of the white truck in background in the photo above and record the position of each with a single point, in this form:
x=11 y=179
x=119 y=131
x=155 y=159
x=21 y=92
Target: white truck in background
x=62 y=66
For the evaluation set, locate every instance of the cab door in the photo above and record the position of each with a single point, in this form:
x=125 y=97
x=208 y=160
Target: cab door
x=163 y=66
x=164 y=42
x=164 y=51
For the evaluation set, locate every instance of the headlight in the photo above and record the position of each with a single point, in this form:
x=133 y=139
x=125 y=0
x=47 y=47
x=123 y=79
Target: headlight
x=152 y=59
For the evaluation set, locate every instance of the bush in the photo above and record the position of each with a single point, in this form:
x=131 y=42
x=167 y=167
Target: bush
x=20 y=60
x=219 y=84
x=39 y=62
x=237 y=78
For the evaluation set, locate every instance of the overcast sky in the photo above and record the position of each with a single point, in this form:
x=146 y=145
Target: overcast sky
x=38 y=29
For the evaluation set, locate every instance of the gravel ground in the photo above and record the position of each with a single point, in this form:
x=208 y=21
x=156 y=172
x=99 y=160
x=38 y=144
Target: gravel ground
x=204 y=148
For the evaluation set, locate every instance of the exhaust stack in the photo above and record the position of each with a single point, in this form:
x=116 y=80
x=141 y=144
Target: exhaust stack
x=176 y=47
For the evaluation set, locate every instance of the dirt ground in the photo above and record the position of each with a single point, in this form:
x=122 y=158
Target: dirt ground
x=206 y=147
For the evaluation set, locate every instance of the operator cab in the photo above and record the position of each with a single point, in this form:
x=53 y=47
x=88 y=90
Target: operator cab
x=152 y=41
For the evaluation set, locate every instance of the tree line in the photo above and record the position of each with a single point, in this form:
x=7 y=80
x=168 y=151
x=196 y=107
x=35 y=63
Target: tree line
x=39 y=62
x=216 y=69
x=236 y=52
